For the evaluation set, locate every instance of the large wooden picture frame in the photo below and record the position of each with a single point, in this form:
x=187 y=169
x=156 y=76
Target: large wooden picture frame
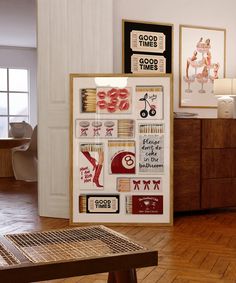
x=121 y=149
x=202 y=59
x=147 y=47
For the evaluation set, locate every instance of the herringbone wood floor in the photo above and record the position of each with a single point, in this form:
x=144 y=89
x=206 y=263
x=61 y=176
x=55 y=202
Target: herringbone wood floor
x=198 y=248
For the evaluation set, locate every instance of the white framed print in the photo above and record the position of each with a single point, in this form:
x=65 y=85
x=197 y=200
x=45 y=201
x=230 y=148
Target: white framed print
x=202 y=60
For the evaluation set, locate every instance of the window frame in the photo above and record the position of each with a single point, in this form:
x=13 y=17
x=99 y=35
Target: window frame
x=8 y=92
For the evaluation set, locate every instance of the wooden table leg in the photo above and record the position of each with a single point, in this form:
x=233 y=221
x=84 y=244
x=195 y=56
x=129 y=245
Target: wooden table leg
x=123 y=276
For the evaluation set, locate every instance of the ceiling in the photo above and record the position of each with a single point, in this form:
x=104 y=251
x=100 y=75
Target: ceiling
x=18 y=23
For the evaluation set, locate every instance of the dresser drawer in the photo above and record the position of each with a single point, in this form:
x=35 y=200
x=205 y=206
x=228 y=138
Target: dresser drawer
x=218 y=163
x=218 y=193
x=186 y=186
x=218 y=133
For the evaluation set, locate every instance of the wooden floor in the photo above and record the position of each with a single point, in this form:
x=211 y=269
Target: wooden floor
x=198 y=248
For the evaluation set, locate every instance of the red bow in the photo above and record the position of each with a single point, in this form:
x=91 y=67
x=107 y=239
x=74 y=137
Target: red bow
x=136 y=184
x=146 y=185
x=156 y=185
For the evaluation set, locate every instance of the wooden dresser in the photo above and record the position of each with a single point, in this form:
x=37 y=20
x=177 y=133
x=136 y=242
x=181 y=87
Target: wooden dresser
x=204 y=163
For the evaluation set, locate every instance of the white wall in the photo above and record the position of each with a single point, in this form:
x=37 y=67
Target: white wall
x=19 y=57
x=18 y=23
x=215 y=13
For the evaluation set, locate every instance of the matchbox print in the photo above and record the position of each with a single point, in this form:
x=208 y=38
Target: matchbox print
x=146 y=204
x=141 y=185
x=113 y=100
x=121 y=157
x=145 y=41
x=88 y=100
x=126 y=128
x=99 y=204
x=90 y=128
x=149 y=102
x=152 y=128
x=91 y=157
x=151 y=153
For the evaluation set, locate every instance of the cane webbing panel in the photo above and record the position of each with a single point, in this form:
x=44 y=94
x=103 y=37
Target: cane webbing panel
x=6 y=257
x=69 y=244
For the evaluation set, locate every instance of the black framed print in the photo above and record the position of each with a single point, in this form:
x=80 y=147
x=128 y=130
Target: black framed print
x=147 y=47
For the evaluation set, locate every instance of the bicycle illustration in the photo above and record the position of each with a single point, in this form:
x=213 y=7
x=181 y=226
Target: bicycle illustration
x=144 y=113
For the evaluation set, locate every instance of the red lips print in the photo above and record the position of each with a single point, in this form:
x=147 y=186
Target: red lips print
x=113 y=100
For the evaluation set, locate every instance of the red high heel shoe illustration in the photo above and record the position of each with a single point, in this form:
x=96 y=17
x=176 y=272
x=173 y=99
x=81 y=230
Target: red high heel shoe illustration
x=90 y=159
x=97 y=175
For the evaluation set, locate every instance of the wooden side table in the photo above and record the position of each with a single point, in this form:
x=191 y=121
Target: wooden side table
x=5 y=154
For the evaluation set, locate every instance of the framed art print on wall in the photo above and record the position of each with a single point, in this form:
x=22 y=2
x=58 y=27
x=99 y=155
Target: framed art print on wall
x=121 y=149
x=147 y=47
x=202 y=60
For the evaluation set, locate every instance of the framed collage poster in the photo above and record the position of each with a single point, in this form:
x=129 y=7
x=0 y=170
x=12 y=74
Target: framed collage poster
x=147 y=47
x=202 y=60
x=121 y=149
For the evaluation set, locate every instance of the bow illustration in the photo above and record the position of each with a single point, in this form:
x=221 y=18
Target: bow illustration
x=146 y=185
x=156 y=185
x=136 y=184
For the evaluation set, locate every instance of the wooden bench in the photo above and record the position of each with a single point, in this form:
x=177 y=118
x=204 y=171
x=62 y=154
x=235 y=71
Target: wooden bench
x=38 y=256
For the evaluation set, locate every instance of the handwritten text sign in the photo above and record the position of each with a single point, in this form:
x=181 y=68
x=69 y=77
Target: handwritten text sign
x=151 y=158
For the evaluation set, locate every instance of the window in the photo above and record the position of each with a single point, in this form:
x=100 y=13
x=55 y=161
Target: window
x=14 y=98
